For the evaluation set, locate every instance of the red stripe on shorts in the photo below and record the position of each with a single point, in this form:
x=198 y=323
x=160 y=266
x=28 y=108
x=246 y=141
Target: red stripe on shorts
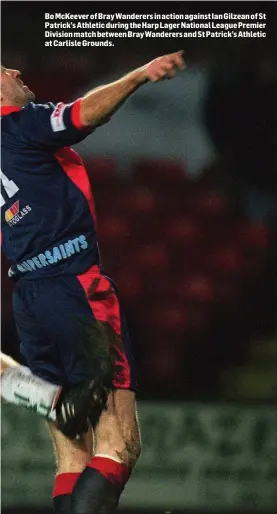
x=108 y=311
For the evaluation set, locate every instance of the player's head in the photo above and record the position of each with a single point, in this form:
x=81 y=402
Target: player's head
x=13 y=90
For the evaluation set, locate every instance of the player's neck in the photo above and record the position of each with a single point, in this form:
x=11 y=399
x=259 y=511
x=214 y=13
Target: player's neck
x=12 y=103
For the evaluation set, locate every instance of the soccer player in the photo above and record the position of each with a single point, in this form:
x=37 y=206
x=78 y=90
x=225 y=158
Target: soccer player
x=66 y=309
x=67 y=407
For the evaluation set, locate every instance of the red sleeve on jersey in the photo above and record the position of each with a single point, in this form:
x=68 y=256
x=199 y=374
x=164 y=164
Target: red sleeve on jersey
x=75 y=115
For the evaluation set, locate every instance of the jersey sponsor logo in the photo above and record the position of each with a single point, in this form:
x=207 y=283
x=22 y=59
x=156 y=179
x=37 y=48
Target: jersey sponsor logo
x=56 y=119
x=12 y=211
x=13 y=215
x=54 y=255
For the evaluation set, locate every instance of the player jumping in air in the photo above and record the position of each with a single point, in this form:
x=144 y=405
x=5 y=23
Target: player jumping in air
x=67 y=311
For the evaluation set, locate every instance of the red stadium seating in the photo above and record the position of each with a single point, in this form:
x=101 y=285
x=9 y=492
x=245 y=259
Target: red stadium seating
x=227 y=260
x=253 y=240
x=197 y=294
x=102 y=170
x=228 y=269
x=164 y=316
x=199 y=316
x=196 y=287
x=190 y=258
x=159 y=173
x=163 y=367
x=106 y=184
x=174 y=318
x=149 y=258
x=129 y=284
x=250 y=235
x=180 y=287
x=208 y=205
x=141 y=201
x=163 y=287
x=228 y=292
x=113 y=229
x=174 y=269
x=182 y=231
x=147 y=230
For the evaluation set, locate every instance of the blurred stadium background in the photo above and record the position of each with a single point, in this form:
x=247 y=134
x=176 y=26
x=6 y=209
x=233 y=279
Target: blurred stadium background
x=184 y=179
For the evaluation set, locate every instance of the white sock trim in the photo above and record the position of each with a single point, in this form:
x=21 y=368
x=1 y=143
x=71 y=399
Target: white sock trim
x=106 y=456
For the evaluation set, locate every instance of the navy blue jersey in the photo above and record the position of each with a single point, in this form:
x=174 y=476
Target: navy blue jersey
x=47 y=207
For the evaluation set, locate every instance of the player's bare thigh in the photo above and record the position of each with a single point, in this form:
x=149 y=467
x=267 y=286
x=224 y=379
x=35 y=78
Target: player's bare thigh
x=117 y=434
x=72 y=456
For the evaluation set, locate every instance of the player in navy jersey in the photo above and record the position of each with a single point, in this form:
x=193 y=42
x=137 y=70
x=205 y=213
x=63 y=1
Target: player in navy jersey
x=67 y=311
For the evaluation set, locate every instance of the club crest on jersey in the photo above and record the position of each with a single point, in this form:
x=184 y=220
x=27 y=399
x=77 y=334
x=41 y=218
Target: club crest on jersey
x=13 y=215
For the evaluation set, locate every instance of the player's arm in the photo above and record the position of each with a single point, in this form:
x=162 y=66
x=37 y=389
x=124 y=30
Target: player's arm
x=69 y=407
x=51 y=127
x=20 y=387
x=99 y=105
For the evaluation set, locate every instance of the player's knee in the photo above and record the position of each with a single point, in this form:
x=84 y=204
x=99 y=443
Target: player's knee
x=75 y=457
x=72 y=456
x=73 y=463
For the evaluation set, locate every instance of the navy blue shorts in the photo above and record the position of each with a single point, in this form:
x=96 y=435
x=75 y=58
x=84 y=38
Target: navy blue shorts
x=65 y=322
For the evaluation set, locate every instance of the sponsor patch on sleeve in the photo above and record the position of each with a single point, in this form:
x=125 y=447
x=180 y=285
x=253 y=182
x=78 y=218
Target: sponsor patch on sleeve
x=56 y=119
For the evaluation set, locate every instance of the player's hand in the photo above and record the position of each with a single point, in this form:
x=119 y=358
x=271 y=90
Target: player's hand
x=164 y=67
x=77 y=403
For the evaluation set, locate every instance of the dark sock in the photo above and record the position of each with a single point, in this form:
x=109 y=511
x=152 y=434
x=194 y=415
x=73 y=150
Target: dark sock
x=63 y=487
x=92 y=492
x=111 y=502
x=99 y=487
x=62 y=504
